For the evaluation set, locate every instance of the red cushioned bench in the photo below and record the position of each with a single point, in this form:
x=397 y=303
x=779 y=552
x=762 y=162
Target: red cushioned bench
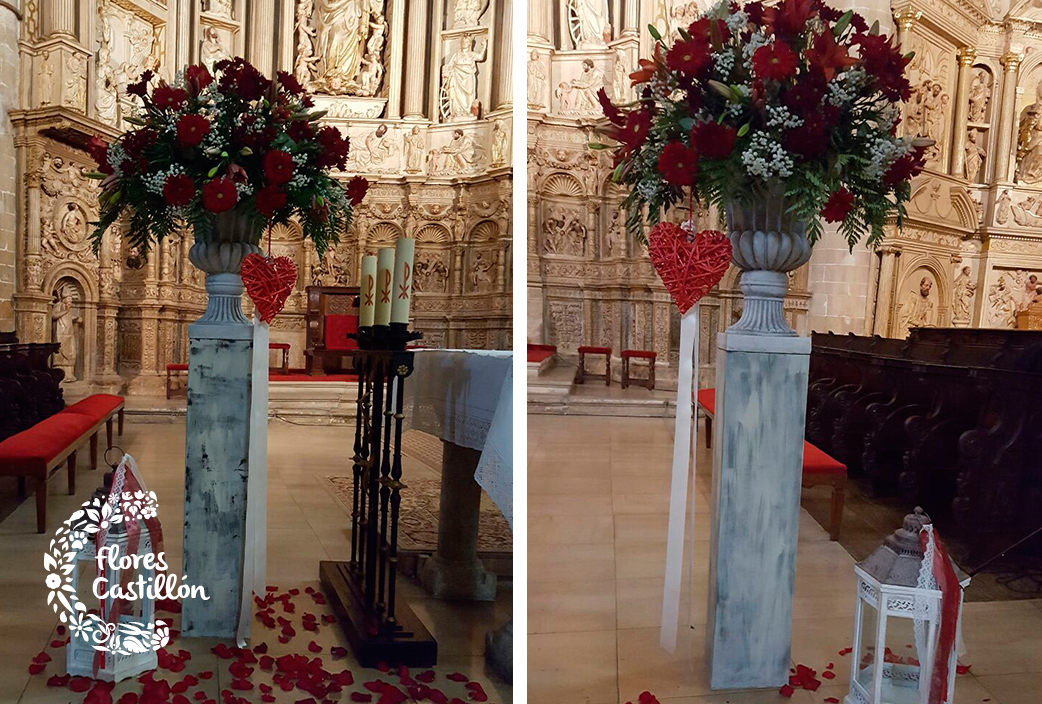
x=627 y=356
x=284 y=347
x=42 y=449
x=170 y=370
x=818 y=467
x=581 y=375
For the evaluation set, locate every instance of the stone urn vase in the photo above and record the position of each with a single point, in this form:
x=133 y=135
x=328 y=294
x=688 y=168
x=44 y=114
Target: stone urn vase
x=219 y=252
x=767 y=243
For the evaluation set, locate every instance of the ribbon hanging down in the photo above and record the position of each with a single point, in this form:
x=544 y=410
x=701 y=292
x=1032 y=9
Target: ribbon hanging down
x=683 y=481
x=255 y=545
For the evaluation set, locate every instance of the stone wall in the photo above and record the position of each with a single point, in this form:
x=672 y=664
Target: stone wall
x=10 y=23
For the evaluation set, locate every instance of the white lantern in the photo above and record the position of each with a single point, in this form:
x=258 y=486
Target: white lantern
x=897 y=623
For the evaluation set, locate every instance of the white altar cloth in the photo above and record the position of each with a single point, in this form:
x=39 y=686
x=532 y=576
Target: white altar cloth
x=466 y=397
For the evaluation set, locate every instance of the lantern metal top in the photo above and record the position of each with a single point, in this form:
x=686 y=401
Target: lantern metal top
x=897 y=561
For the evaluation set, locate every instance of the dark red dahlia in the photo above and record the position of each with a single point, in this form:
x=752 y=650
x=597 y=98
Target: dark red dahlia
x=197 y=77
x=140 y=88
x=690 y=56
x=300 y=131
x=219 y=195
x=270 y=199
x=178 y=190
x=804 y=98
x=611 y=112
x=290 y=83
x=334 y=148
x=278 y=167
x=356 y=189
x=838 y=205
x=99 y=151
x=191 y=130
x=774 y=61
x=755 y=12
x=713 y=140
x=905 y=168
x=167 y=97
x=678 y=164
x=885 y=63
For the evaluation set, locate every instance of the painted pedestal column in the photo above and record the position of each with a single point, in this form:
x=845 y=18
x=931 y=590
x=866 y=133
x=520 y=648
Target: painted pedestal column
x=220 y=351
x=761 y=401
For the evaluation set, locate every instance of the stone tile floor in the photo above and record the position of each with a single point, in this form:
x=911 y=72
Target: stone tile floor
x=305 y=525
x=598 y=497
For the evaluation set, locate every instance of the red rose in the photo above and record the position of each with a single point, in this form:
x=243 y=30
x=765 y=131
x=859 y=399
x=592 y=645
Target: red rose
x=610 y=111
x=678 y=164
x=191 y=129
x=774 y=61
x=334 y=148
x=278 y=167
x=300 y=131
x=689 y=56
x=356 y=189
x=219 y=195
x=197 y=77
x=169 y=98
x=140 y=88
x=838 y=205
x=178 y=190
x=270 y=199
x=713 y=140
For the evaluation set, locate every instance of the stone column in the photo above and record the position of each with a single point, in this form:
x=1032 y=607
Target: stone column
x=962 y=95
x=394 y=59
x=539 y=22
x=1004 y=143
x=504 y=80
x=905 y=20
x=9 y=28
x=262 y=32
x=630 y=17
x=885 y=291
x=455 y=571
x=61 y=16
x=415 y=62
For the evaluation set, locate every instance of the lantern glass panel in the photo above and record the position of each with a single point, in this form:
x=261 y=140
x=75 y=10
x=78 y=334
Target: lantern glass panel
x=866 y=659
x=901 y=663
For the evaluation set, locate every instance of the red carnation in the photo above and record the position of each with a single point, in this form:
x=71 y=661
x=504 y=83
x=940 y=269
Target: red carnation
x=713 y=140
x=356 y=189
x=219 y=195
x=290 y=83
x=167 y=97
x=838 y=205
x=689 y=56
x=300 y=131
x=178 y=190
x=278 y=167
x=774 y=61
x=140 y=88
x=269 y=199
x=197 y=77
x=191 y=130
x=678 y=164
x=334 y=148
x=610 y=111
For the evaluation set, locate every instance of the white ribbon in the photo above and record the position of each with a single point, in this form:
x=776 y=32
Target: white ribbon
x=684 y=436
x=255 y=545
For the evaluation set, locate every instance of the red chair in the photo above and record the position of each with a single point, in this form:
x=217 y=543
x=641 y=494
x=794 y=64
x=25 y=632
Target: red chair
x=581 y=375
x=284 y=347
x=627 y=355
x=332 y=313
x=818 y=467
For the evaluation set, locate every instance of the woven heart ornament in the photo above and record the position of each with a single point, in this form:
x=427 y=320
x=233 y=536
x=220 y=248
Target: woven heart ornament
x=688 y=265
x=268 y=281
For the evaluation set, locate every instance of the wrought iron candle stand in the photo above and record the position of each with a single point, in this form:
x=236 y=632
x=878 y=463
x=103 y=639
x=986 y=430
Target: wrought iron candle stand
x=363 y=589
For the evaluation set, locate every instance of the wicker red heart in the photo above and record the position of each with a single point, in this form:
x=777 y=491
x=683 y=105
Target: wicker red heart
x=268 y=281
x=688 y=266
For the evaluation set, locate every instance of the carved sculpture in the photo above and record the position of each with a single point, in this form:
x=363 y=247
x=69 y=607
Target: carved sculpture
x=106 y=87
x=212 y=50
x=306 y=62
x=1029 y=143
x=918 y=308
x=460 y=156
x=579 y=95
x=588 y=23
x=65 y=321
x=680 y=14
x=1012 y=293
x=459 y=80
x=536 y=82
x=466 y=13
x=377 y=152
x=975 y=155
x=46 y=80
x=963 y=290
x=482 y=274
x=221 y=8
x=1028 y=212
x=500 y=148
x=564 y=233
x=980 y=95
x=340 y=46
x=927 y=116
x=415 y=145
x=431 y=274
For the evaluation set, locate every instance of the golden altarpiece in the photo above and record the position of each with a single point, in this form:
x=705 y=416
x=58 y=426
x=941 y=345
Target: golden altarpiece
x=421 y=87
x=968 y=255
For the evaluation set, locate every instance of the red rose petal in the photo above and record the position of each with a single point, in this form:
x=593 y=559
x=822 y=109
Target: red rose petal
x=36 y=668
x=458 y=677
x=200 y=695
x=477 y=694
x=267 y=697
x=962 y=669
x=846 y=651
x=361 y=697
x=57 y=680
x=241 y=684
x=129 y=698
x=831 y=700
x=786 y=690
x=829 y=675
x=79 y=684
x=427 y=676
x=314 y=647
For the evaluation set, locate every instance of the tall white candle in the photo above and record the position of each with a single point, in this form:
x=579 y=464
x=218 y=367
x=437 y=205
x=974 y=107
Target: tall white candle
x=384 y=274
x=367 y=293
x=401 y=297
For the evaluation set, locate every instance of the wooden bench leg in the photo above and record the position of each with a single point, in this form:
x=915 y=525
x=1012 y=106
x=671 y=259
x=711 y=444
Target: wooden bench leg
x=168 y=383
x=580 y=375
x=651 y=376
x=108 y=433
x=94 y=451
x=607 y=370
x=71 y=467
x=121 y=422
x=625 y=372
x=41 y=505
x=709 y=432
x=836 y=519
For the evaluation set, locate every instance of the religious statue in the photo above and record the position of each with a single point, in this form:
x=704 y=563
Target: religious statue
x=980 y=94
x=483 y=275
x=1029 y=143
x=466 y=13
x=536 y=82
x=73 y=225
x=588 y=23
x=1001 y=306
x=372 y=64
x=414 y=148
x=459 y=82
x=963 y=288
x=499 y=145
x=106 y=87
x=1002 y=207
x=974 y=156
x=564 y=234
x=619 y=77
x=926 y=116
x=307 y=61
x=680 y=15
x=579 y=95
x=222 y=8
x=461 y=155
x=1028 y=212
x=46 y=80
x=917 y=311
x=341 y=41
x=379 y=148
x=212 y=50
x=430 y=273
x=63 y=315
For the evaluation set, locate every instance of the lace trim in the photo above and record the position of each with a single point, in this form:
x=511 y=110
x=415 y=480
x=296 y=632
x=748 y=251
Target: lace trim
x=460 y=428
x=495 y=475
x=923 y=604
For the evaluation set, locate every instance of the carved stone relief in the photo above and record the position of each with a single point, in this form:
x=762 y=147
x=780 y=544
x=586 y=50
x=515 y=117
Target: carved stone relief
x=459 y=80
x=578 y=95
x=1012 y=292
x=918 y=306
x=340 y=46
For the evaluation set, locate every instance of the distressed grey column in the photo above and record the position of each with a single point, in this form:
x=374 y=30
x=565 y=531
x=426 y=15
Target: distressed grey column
x=415 y=64
x=455 y=571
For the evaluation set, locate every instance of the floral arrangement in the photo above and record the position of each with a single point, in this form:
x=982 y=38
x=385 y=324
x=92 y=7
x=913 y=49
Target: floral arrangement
x=234 y=141
x=798 y=98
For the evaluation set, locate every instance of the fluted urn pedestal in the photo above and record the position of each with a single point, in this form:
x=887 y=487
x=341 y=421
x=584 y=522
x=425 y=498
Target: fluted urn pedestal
x=761 y=401
x=220 y=350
